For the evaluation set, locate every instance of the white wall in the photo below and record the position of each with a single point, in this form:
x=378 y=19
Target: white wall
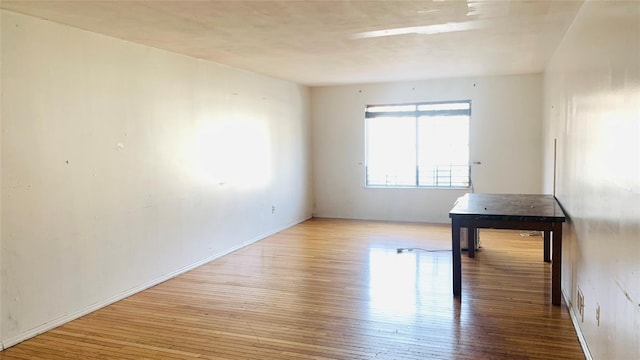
x=1 y=187
x=505 y=135
x=123 y=165
x=592 y=108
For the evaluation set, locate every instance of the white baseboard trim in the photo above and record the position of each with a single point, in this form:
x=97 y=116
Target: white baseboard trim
x=576 y=326
x=6 y=343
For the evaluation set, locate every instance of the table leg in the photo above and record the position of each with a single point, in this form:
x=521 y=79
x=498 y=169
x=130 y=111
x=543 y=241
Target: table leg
x=456 y=257
x=556 y=265
x=472 y=235
x=547 y=246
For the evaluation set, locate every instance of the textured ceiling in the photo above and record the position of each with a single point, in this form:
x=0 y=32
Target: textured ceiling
x=333 y=42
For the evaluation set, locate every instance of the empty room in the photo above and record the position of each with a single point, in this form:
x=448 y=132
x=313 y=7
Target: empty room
x=329 y=179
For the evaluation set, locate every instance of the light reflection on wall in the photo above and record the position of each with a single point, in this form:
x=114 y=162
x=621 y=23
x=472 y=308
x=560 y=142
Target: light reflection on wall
x=234 y=152
x=607 y=129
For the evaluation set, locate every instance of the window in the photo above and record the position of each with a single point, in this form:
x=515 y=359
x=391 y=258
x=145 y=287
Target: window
x=418 y=145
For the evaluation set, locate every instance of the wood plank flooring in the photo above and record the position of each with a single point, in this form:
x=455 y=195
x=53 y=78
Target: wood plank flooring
x=335 y=289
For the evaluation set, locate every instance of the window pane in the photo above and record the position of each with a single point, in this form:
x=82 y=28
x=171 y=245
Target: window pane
x=445 y=106
x=391 y=151
x=443 y=153
x=391 y=108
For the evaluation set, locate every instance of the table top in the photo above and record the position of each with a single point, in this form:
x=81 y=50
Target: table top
x=505 y=206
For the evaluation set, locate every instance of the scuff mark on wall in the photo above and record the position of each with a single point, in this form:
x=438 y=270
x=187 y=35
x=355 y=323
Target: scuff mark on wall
x=626 y=294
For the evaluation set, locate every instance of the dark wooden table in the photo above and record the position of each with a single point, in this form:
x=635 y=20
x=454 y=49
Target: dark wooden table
x=508 y=211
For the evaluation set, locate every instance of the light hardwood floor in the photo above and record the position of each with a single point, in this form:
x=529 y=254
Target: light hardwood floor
x=335 y=289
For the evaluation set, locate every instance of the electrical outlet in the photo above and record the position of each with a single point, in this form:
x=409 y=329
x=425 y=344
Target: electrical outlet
x=598 y=314
x=273 y=209
x=580 y=304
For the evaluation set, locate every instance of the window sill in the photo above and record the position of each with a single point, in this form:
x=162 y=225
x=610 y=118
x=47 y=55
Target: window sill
x=419 y=187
